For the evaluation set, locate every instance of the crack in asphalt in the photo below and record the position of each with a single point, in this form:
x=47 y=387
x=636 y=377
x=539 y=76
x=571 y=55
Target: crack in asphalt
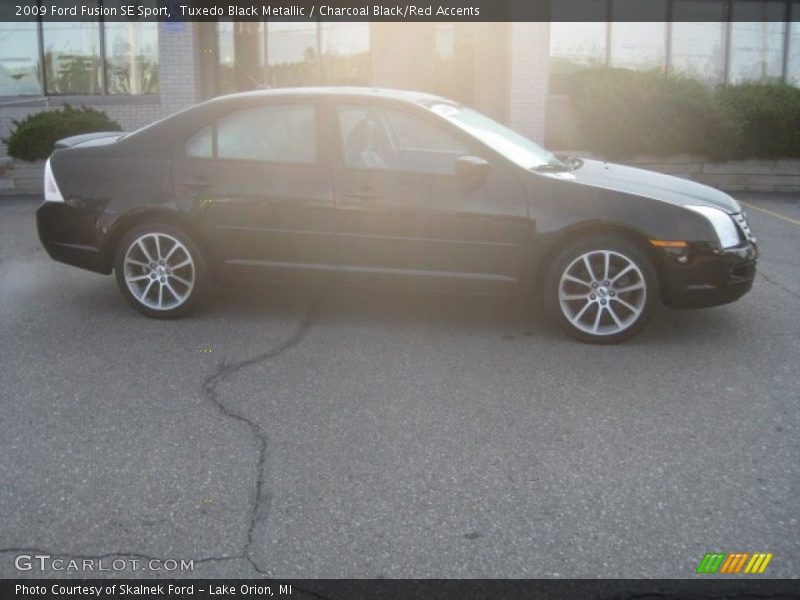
x=779 y=286
x=261 y=501
x=260 y=504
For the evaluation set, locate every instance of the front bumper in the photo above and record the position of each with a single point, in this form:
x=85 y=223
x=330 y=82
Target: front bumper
x=709 y=276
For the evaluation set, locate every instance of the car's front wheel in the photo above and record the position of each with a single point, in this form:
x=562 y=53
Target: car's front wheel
x=602 y=289
x=160 y=270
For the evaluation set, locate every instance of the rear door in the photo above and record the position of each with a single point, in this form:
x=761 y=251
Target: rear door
x=261 y=191
x=403 y=217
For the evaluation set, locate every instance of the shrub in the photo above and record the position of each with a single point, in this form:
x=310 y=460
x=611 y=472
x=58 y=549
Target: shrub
x=621 y=113
x=34 y=137
x=768 y=117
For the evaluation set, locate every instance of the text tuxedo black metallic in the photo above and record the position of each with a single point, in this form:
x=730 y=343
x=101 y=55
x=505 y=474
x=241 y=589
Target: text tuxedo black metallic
x=391 y=188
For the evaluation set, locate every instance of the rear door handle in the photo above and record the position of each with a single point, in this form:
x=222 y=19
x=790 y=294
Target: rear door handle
x=198 y=182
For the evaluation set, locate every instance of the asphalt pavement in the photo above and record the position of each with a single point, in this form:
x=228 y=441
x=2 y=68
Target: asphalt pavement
x=361 y=433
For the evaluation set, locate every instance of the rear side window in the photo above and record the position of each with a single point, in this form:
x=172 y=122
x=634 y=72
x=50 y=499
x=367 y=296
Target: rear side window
x=201 y=144
x=281 y=133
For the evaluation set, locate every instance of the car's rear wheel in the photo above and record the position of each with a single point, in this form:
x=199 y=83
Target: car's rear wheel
x=160 y=270
x=602 y=289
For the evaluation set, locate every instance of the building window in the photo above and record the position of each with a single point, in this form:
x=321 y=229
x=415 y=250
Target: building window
x=578 y=44
x=19 y=60
x=698 y=47
x=72 y=63
x=757 y=46
x=345 y=53
x=292 y=54
x=714 y=41
x=793 y=60
x=80 y=58
x=641 y=44
x=226 y=67
x=444 y=63
x=131 y=54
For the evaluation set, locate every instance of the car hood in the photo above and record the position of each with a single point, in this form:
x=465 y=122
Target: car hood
x=640 y=182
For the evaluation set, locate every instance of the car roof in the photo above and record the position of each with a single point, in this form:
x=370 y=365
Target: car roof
x=189 y=116
x=348 y=91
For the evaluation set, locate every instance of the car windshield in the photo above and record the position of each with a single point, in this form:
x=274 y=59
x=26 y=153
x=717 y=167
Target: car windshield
x=500 y=138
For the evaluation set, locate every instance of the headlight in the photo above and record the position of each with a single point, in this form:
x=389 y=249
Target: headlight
x=722 y=223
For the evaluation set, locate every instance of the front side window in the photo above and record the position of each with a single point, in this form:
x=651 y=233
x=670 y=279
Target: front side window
x=394 y=140
x=280 y=133
x=503 y=140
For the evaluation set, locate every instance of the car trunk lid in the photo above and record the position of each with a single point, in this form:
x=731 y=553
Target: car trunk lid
x=97 y=138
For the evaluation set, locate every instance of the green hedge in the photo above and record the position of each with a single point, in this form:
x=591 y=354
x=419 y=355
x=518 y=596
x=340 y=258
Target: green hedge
x=34 y=137
x=768 y=117
x=621 y=113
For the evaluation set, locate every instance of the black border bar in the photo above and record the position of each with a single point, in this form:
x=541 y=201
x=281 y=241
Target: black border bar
x=406 y=10
x=404 y=589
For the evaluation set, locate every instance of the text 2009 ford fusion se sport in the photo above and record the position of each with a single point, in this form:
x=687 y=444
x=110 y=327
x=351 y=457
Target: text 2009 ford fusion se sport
x=386 y=187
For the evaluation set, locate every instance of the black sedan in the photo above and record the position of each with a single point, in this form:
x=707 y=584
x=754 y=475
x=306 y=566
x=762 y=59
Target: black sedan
x=385 y=187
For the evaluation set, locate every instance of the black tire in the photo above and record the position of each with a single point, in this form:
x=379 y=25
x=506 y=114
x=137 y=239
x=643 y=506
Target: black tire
x=182 y=299
x=625 y=309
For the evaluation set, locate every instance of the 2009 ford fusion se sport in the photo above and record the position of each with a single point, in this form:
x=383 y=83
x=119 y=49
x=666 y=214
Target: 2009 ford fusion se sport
x=386 y=187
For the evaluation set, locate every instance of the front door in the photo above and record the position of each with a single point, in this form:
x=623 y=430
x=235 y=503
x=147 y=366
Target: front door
x=263 y=196
x=404 y=217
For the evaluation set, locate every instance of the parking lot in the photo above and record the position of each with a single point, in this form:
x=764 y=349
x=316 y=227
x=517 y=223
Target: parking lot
x=361 y=433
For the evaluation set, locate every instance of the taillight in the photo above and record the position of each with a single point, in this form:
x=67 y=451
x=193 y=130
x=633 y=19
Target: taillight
x=51 y=191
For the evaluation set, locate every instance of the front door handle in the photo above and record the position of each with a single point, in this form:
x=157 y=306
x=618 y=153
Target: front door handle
x=198 y=182
x=365 y=196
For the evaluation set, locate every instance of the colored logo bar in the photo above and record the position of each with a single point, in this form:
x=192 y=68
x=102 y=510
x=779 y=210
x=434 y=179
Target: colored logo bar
x=720 y=562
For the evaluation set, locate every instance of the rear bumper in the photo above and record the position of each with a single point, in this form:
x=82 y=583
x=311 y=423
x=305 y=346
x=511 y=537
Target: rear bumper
x=68 y=236
x=710 y=276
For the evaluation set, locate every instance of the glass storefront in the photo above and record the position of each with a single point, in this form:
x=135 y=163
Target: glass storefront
x=287 y=54
x=131 y=55
x=758 y=45
x=793 y=58
x=81 y=58
x=72 y=63
x=19 y=60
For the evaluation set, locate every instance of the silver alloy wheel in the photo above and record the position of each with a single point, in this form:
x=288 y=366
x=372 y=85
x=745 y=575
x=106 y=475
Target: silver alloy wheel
x=602 y=292
x=159 y=271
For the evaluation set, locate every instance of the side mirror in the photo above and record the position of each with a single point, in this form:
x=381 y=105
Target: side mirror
x=471 y=170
